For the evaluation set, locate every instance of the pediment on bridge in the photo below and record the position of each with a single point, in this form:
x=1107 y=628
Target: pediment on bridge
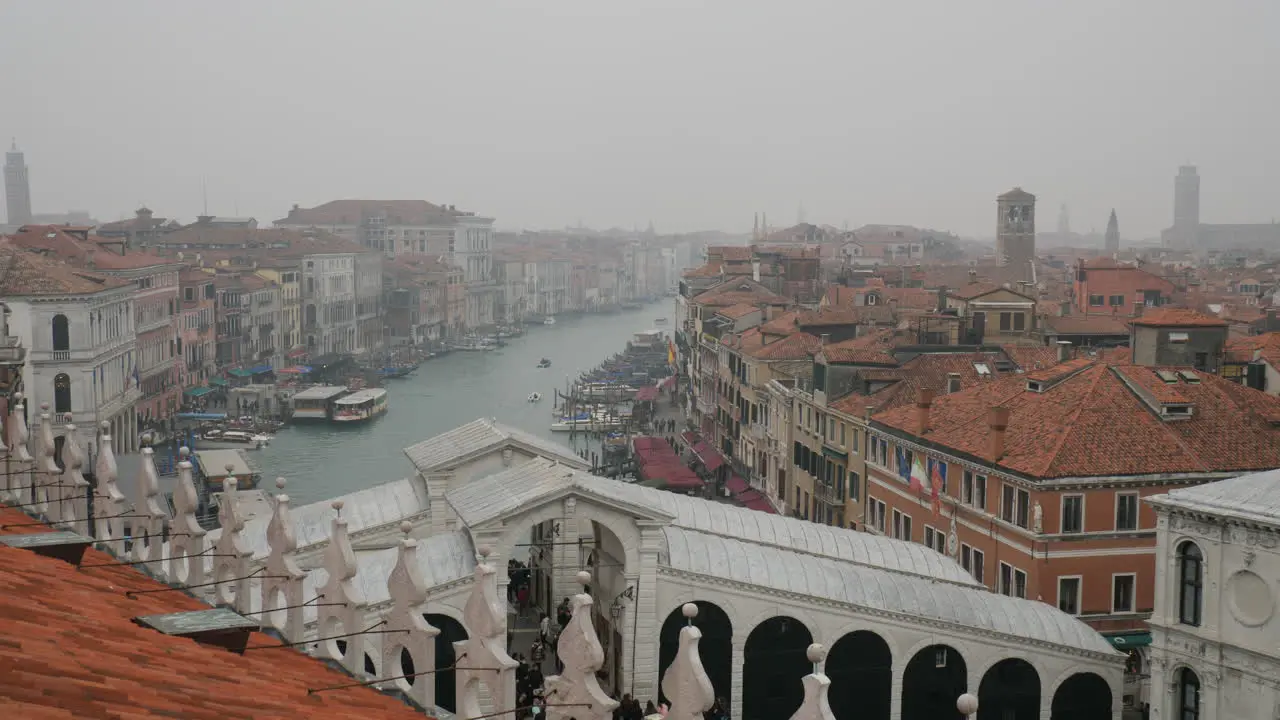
x=479 y=439
x=488 y=502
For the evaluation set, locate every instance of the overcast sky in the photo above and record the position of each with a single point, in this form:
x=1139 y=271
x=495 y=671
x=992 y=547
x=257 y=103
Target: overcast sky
x=694 y=114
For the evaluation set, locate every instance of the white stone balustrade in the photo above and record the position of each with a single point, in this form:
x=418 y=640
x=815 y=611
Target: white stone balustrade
x=46 y=469
x=231 y=564
x=282 y=585
x=482 y=658
x=816 y=687
x=575 y=693
x=20 y=457
x=109 y=504
x=73 y=495
x=407 y=630
x=147 y=529
x=342 y=610
x=686 y=683
x=186 y=537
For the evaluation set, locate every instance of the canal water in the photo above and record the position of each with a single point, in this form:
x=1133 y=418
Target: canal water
x=322 y=461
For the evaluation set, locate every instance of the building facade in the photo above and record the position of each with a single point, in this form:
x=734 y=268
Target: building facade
x=1215 y=645
x=197 y=334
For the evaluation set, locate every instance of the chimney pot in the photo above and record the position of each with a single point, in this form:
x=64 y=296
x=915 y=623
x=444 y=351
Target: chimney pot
x=1064 y=350
x=826 y=338
x=997 y=423
x=868 y=410
x=924 y=401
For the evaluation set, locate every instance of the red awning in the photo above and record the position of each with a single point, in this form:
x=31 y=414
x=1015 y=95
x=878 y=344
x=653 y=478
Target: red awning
x=647 y=394
x=748 y=496
x=760 y=504
x=685 y=482
x=736 y=484
x=690 y=438
x=710 y=457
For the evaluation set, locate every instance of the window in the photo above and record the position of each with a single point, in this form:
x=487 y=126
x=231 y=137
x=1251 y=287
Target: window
x=1190 y=583
x=935 y=539
x=62 y=393
x=1095 y=300
x=1006 y=321
x=901 y=525
x=1127 y=511
x=1013 y=582
x=977 y=569
x=1115 y=300
x=971 y=559
x=1122 y=591
x=1006 y=579
x=1188 y=695
x=1015 y=505
x=1072 y=513
x=61 y=333
x=855 y=484
x=1019 y=321
x=1069 y=595
x=1019 y=584
x=877 y=513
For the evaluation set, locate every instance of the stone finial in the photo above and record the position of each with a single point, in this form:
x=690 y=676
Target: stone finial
x=686 y=683
x=485 y=647
x=967 y=704
x=46 y=469
x=231 y=566
x=816 y=687
x=20 y=466
x=187 y=541
x=109 y=504
x=582 y=655
x=74 y=488
x=282 y=586
x=409 y=631
x=147 y=544
x=339 y=587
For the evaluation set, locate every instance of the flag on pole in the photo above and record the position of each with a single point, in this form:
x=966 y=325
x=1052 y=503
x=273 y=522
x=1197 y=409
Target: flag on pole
x=919 y=478
x=671 y=353
x=939 y=477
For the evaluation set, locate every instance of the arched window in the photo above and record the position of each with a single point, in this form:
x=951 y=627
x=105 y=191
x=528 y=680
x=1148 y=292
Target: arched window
x=1190 y=583
x=1188 y=695
x=61 y=332
x=62 y=393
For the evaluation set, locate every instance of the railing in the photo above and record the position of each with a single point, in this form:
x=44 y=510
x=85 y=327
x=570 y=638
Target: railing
x=61 y=354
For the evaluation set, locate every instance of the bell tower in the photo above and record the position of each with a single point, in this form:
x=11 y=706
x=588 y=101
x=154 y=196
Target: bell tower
x=1016 y=231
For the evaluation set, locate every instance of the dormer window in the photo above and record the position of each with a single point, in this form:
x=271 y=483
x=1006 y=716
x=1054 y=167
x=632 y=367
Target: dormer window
x=1179 y=337
x=1035 y=386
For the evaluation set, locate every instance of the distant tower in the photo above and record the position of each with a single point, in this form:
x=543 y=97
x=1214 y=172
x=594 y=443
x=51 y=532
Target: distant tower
x=1113 y=233
x=1064 y=220
x=755 y=229
x=800 y=215
x=17 y=187
x=1186 y=205
x=1016 y=230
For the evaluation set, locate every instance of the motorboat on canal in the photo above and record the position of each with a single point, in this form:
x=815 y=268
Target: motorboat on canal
x=360 y=406
x=544 y=363
x=535 y=396
x=549 y=321
x=596 y=421
x=660 y=321
x=218 y=439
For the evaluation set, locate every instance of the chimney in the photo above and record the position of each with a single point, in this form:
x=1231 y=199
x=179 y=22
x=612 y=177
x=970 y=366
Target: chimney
x=755 y=269
x=825 y=338
x=953 y=383
x=942 y=298
x=764 y=313
x=869 y=409
x=973 y=276
x=997 y=423
x=924 y=401
x=1064 y=351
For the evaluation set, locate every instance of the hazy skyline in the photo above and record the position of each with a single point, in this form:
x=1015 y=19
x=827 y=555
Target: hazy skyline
x=691 y=114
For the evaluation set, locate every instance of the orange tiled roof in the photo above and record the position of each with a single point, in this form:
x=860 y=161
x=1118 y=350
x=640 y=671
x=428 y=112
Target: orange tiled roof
x=739 y=291
x=92 y=254
x=23 y=273
x=733 y=312
x=1086 y=325
x=795 y=346
x=1267 y=347
x=1176 y=317
x=1093 y=424
x=71 y=650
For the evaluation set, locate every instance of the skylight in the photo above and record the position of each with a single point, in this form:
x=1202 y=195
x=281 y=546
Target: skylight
x=1189 y=376
x=982 y=369
x=1167 y=376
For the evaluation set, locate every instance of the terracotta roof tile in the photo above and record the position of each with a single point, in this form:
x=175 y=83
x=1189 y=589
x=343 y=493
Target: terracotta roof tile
x=92 y=253
x=1093 y=424
x=1086 y=325
x=24 y=273
x=352 y=212
x=739 y=291
x=1266 y=346
x=69 y=649
x=1176 y=317
x=733 y=312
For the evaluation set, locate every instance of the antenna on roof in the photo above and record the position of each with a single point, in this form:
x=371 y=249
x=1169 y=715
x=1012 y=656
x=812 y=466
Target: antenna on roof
x=204 y=192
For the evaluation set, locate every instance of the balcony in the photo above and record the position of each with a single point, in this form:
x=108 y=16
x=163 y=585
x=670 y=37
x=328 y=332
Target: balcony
x=758 y=432
x=60 y=354
x=154 y=324
x=825 y=494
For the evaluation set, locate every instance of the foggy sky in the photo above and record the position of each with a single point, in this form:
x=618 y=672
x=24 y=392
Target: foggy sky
x=694 y=114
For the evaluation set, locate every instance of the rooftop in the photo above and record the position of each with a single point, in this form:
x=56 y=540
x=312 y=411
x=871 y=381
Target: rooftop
x=1254 y=498
x=26 y=274
x=1176 y=317
x=1095 y=423
x=72 y=650
x=477 y=437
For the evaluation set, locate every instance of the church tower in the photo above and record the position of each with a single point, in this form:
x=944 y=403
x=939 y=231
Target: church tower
x=1113 y=234
x=1016 y=231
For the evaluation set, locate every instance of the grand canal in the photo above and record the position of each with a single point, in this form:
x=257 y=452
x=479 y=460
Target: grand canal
x=322 y=461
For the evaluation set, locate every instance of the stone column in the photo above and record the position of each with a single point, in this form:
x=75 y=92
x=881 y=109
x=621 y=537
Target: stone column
x=895 y=689
x=567 y=562
x=735 y=682
x=647 y=620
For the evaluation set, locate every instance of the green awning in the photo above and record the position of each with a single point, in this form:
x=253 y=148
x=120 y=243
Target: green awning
x=218 y=382
x=198 y=391
x=1130 y=640
x=241 y=372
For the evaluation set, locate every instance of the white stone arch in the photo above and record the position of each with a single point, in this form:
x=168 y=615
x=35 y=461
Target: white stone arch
x=867 y=625
x=965 y=649
x=778 y=610
x=587 y=507
x=996 y=658
x=1117 y=694
x=440 y=607
x=688 y=595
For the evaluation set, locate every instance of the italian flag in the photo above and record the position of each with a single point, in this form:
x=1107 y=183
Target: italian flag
x=919 y=478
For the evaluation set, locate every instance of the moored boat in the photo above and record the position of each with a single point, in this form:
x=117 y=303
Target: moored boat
x=360 y=405
x=218 y=439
